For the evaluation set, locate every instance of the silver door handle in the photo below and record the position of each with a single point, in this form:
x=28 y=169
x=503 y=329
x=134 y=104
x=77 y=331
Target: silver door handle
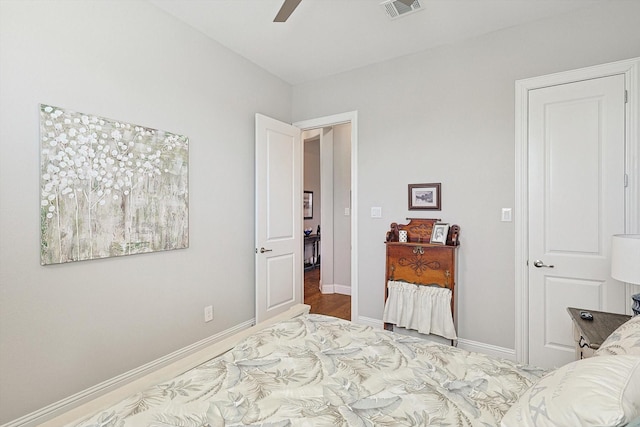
x=263 y=250
x=538 y=263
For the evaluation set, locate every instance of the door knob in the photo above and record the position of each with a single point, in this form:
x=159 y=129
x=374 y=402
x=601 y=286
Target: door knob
x=263 y=250
x=539 y=264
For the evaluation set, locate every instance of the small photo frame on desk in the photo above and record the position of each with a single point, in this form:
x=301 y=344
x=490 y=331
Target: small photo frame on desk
x=439 y=233
x=424 y=196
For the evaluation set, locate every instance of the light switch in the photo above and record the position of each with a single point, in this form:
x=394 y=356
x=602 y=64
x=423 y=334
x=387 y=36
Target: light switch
x=346 y=212
x=376 y=212
x=506 y=215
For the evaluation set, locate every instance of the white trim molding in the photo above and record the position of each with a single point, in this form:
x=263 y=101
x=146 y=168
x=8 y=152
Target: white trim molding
x=336 y=289
x=342 y=289
x=489 y=349
x=369 y=321
x=631 y=70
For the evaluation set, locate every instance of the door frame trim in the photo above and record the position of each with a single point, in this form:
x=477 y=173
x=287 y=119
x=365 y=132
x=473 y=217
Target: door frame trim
x=333 y=120
x=630 y=68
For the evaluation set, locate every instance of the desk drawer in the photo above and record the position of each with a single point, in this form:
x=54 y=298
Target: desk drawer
x=424 y=263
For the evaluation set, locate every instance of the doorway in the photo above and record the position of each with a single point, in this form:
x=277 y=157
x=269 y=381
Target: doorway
x=558 y=154
x=327 y=219
x=332 y=256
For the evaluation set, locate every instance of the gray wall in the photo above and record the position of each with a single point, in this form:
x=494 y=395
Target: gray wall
x=341 y=196
x=338 y=270
x=312 y=178
x=64 y=328
x=447 y=115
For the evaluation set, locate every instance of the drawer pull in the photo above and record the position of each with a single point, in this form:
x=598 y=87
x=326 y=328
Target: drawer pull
x=418 y=250
x=583 y=343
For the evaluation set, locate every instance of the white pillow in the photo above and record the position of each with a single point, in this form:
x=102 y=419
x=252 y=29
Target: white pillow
x=624 y=340
x=599 y=391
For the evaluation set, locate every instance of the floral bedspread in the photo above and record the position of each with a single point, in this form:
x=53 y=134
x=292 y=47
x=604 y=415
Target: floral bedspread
x=321 y=371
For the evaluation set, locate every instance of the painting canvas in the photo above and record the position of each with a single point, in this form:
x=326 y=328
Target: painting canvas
x=109 y=188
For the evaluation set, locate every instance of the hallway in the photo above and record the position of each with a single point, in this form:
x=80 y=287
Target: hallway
x=336 y=305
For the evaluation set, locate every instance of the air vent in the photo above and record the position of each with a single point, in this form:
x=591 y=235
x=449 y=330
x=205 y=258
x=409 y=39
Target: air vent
x=396 y=8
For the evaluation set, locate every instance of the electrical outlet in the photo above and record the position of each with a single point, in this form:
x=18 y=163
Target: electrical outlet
x=208 y=313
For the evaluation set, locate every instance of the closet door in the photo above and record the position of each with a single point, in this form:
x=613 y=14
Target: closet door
x=576 y=202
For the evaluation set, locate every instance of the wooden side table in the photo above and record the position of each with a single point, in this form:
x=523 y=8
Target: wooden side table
x=590 y=334
x=312 y=240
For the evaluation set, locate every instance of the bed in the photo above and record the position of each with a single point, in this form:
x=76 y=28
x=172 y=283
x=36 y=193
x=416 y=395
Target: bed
x=315 y=370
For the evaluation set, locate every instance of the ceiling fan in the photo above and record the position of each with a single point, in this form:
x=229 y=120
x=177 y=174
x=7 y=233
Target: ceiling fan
x=290 y=5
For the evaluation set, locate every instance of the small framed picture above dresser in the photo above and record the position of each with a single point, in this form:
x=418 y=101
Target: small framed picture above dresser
x=425 y=196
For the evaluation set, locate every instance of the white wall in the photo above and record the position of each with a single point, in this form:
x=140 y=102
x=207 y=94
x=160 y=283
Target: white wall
x=447 y=115
x=312 y=183
x=336 y=247
x=444 y=115
x=64 y=328
x=312 y=177
x=341 y=200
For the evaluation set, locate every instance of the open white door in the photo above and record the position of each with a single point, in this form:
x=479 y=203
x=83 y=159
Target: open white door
x=279 y=269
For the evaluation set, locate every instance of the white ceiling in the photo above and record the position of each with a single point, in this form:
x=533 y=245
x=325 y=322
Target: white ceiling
x=325 y=37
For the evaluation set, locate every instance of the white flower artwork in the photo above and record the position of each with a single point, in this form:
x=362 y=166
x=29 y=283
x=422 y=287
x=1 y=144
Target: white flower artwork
x=109 y=188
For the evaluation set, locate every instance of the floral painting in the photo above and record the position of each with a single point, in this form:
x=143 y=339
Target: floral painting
x=109 y=188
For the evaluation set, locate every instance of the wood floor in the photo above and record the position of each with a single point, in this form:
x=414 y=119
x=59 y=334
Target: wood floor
x=336 y=305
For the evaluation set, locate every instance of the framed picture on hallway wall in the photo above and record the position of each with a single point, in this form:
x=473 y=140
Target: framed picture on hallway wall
x=307 y=205
x=424 y=196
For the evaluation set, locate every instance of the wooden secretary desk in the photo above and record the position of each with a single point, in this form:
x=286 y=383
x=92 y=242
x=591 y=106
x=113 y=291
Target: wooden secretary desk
x=420 y=262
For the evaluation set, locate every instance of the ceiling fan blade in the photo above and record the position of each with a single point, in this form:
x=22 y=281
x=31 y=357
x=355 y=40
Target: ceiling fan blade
x=406 y=2
x=286 y=10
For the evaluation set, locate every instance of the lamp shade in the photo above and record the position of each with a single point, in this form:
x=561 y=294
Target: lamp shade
x=625 y=258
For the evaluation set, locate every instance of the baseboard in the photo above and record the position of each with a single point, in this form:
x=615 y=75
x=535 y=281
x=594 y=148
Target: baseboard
x=57 y=408
x=326 y=289
x=342 y=289
x=335 y=289
x=468 y=345
x=374 y=323
x=489 y=349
